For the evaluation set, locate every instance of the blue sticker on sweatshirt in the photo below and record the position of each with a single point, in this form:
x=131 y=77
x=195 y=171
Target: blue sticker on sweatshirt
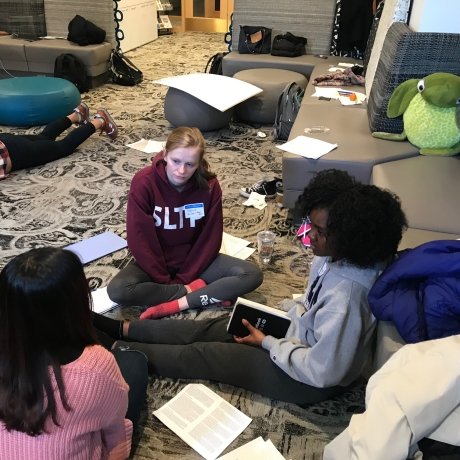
x=194 y=211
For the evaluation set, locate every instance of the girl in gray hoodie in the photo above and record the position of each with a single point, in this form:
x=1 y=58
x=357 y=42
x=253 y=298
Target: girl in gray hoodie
x=355 y=231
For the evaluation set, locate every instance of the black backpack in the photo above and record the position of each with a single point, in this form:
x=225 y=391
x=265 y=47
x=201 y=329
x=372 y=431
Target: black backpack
x=123 y=71
x=287 y=109
x=71 y=68
x=215 y=64
x=84 y=32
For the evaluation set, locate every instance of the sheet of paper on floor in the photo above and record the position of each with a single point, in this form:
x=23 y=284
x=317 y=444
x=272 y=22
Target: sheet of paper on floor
x=257 y=449
x=101 y=301
x=307 y=147
x=147 y=146
x=97 y=246
x=236 y=247
x=218 y=91
x=203 y=419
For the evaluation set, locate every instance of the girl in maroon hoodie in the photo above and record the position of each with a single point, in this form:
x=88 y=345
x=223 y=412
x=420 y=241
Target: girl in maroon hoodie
x=174 y=227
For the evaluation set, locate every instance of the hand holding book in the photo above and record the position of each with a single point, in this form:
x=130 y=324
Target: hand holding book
x=266 y=320
x=253 y=337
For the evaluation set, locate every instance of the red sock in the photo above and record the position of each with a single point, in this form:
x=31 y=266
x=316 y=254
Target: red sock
x=195 y=285
x=163 y=309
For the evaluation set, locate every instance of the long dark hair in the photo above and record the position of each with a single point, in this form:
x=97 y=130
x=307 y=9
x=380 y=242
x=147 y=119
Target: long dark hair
x=191 y=137
x=45 y=305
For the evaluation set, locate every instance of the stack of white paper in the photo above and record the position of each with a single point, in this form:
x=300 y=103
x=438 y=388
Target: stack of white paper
x=204 y=420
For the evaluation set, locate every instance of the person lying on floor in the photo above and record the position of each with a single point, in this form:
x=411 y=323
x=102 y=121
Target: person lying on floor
x=63 y=396
x=355 y=232
x=174 y=229
x=20 y=151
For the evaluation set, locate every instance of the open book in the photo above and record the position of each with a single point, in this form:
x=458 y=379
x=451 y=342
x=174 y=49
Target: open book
x=203 y=419
x=269 y=320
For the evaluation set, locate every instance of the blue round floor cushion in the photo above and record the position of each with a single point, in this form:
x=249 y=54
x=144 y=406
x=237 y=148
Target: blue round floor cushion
x=31 y=101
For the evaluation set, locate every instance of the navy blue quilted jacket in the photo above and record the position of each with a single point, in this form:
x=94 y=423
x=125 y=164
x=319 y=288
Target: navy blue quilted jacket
x=420 y=292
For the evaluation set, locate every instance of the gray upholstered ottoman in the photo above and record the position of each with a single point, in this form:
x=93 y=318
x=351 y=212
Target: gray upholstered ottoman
x=428 y=187
x=183 y=109
x=261 y=109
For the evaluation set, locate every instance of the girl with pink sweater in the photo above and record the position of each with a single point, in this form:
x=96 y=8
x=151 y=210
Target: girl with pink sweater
x=62 y=396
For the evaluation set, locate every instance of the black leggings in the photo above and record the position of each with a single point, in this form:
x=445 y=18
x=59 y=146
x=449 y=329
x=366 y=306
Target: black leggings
x=226 y=277
x=191 y=349
x=133 y=366
x=134 y=369
x=29 y=150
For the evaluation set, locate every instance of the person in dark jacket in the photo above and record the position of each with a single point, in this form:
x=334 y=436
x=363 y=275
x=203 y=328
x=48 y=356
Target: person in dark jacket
x=175 y=228
x=420 y=292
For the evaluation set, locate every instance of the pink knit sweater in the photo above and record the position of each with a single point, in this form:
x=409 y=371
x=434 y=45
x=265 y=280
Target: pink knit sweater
x=95 y=428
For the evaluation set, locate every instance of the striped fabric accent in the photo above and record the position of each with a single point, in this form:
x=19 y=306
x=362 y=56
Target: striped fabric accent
x=59 y=13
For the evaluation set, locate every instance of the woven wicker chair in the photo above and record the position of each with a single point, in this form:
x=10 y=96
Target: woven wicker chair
x=407 y=54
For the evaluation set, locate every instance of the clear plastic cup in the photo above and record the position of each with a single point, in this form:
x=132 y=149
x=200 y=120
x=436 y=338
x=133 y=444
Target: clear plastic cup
x=265 y=245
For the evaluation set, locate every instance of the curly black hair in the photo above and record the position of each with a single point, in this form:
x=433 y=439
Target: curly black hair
x=365 y=223
x=323 y=190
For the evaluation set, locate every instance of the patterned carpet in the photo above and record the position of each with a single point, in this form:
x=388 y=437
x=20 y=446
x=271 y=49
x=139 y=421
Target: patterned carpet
x=85 y=194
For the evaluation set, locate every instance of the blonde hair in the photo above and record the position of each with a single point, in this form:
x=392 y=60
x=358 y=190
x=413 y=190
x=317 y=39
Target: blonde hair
x=184 y=137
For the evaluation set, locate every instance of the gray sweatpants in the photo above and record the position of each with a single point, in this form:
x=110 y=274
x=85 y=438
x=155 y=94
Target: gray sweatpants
x=226 y=278
x=192 y=349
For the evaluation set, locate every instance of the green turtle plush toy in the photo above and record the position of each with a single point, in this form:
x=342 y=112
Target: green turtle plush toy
x=431 y=113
